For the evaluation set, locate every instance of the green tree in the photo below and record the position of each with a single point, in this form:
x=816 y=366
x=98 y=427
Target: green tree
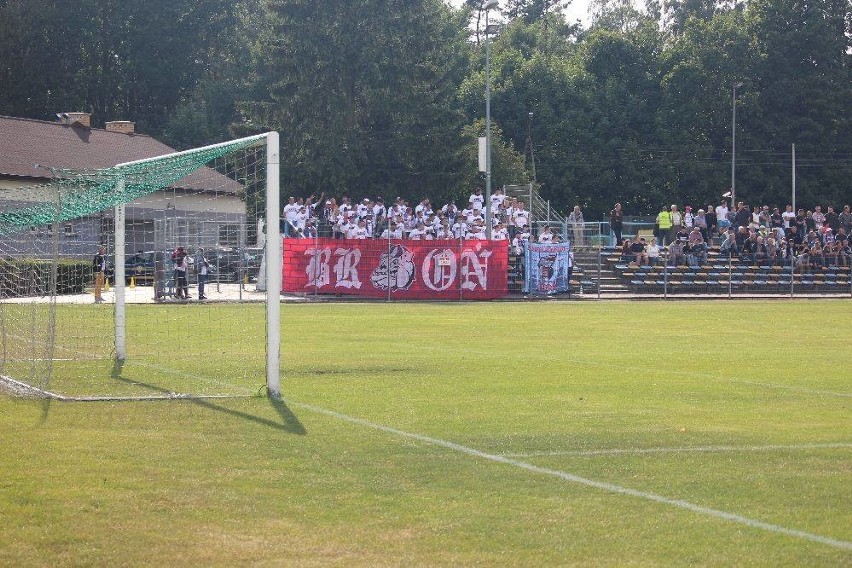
x=363 y=93
x=802 y=94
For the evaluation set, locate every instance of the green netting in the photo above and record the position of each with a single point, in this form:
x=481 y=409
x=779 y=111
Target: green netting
x=82 y=193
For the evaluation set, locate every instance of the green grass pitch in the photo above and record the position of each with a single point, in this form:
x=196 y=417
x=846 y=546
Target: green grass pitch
x=529 y=434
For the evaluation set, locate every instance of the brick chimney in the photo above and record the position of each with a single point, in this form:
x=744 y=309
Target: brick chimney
x=122 y=126
x=71 y=118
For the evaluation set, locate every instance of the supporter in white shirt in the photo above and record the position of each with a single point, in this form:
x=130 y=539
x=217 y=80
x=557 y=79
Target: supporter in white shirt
x=476 y=232
x=345 y=205
x=546 y=236
x=300 y=218
x=722 y=216
x=360 y=232
x=417 y=233
x=364 y=207
x=518 y=243
x=475 y=217
x=497 y=199
x=521 y=216
x=350 y=229
x=424 y=207
x=379 y=210
x=451 y=211
x=688 y=218
x=460 y=228
x=444 y=232
x=500 y=233
x=394 y=232
x=290 y=210
x=477 y=199
x=789 y=217
x=408 y=219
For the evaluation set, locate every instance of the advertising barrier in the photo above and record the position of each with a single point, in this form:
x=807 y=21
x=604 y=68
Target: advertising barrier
x=396 y=269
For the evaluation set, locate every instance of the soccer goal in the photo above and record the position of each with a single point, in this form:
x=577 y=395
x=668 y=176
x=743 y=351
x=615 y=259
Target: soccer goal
x=156 y=278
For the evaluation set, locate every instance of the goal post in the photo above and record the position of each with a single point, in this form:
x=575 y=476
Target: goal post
x=185 y=236
x=273 y=262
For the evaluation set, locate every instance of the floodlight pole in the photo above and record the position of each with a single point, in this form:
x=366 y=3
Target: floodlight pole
x=734 y=147
x=487 y=7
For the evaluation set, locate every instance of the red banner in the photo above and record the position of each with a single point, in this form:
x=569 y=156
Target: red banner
x=446 y=270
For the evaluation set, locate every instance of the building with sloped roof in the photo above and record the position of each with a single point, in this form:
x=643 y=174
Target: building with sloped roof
x=204 y=208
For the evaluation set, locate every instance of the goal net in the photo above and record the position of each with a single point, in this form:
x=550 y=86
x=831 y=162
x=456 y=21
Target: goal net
x=149 y=279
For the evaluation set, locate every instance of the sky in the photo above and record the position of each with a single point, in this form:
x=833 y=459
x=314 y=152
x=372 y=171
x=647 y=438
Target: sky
x=577 y=10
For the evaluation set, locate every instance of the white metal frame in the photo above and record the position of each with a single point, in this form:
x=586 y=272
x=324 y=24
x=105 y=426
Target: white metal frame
x=272 y=257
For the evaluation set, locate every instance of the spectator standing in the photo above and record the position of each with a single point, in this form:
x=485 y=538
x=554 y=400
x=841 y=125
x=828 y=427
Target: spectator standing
x=181 y=284
x=521 y=217
x=743 y=216
x=712 y=222
x=788 y=217
x=616 y=223
x=832 y=219
x=688 y=218
x=291 y=211
x=722 y=216
x=477 y=199
x=664 y=225
x=819 y=218
x=845 y=218
x=677 y=222
x=99 y=268
x=701 y=224
x=575 y=219
x=201 y=268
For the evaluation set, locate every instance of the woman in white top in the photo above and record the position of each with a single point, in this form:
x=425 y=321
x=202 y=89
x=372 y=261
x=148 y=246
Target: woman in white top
x=653 y=252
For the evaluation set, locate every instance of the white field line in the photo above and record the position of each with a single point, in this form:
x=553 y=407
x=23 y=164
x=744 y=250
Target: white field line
x=685 y=449
x=602 y=485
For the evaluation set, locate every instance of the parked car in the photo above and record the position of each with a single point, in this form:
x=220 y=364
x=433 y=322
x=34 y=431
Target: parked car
x=233 y=264
x=140 y=266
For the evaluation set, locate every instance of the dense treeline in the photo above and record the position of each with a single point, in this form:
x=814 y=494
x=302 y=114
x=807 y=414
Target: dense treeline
x=386 y=97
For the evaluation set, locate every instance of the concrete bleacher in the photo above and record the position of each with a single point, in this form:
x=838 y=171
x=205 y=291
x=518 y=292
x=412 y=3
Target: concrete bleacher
x=717 y=276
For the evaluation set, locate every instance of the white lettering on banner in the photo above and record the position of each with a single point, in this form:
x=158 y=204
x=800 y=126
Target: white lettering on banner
x=317 y=270
x=471 y=265
x=346 y=268
x=439 y=269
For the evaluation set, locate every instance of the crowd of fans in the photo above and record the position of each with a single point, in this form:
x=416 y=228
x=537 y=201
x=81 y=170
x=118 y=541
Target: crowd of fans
x=369 y=219
x=758 y=236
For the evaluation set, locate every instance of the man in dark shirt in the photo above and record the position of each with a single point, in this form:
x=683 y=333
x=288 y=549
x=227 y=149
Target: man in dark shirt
x=99 y=268
x=832 y=219
x=743 y=216
x=616 y=223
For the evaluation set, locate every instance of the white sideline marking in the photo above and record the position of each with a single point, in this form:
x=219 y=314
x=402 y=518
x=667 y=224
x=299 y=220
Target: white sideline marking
x=609 y=487
x=685 y=449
